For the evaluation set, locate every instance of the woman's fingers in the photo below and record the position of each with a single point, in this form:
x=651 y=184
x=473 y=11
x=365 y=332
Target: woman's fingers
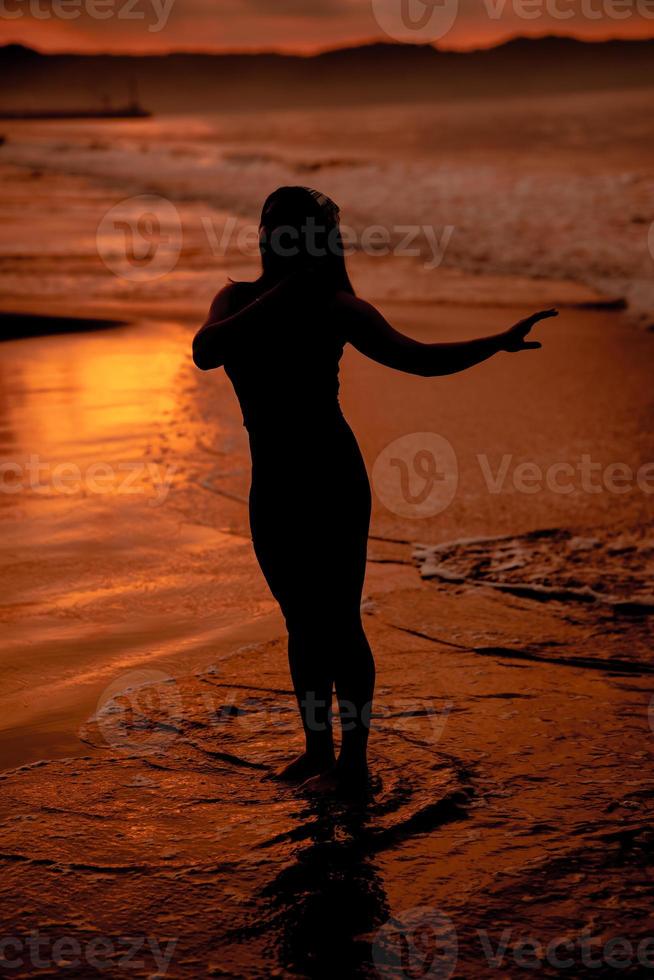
x=524 y=326
x=543 y=315
x=530 y=321
x=515 y=337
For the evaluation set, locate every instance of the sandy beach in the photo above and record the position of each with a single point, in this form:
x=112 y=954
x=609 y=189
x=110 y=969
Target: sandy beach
x=146 y=692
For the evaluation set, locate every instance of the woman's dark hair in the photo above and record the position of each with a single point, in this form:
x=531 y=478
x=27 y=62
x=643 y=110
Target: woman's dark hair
x=299 y=227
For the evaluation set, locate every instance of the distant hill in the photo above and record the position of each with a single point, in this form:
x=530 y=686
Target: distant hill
x=373 y=73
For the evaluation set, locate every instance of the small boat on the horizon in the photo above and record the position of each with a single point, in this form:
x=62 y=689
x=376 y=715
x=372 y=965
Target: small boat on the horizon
x=132 y=110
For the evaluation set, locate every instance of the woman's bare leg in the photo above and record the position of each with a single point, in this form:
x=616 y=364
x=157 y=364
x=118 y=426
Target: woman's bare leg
x=313 y=685
x=355 y=686
x=349 y=651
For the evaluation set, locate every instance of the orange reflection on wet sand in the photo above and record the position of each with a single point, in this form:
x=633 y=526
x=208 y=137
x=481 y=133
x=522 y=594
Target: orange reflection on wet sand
x=97 y=574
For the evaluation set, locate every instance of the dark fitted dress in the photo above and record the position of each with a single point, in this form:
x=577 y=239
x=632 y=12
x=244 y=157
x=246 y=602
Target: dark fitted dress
x=310 y=496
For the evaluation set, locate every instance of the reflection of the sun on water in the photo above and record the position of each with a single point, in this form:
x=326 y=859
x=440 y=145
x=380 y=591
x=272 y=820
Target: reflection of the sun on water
x=88 y=390
x=89 y=414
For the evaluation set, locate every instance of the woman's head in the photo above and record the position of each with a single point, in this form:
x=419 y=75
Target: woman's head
x=300 y=227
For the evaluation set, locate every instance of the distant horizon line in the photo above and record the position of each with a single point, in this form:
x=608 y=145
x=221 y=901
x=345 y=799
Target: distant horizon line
x=315 y=52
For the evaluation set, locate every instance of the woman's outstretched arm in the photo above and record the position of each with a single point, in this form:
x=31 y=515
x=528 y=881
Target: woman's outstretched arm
x=372 y=334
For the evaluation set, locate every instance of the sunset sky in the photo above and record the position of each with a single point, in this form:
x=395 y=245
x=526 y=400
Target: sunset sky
x=304 y=25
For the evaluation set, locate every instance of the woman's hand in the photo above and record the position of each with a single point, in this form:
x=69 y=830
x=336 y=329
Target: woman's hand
x=514 y=338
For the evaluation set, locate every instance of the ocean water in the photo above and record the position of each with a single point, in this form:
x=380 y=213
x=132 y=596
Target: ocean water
x=556 y=188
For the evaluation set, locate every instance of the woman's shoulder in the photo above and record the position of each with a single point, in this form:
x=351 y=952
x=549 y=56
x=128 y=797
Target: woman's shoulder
x=233 y=296
x=237 y=289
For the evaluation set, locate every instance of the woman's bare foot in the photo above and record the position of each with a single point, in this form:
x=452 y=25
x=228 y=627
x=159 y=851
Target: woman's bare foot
x=306 y=766
x=340 y=781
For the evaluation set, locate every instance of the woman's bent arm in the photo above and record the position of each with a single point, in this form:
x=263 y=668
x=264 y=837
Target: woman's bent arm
x=372 y=335
x=225 y=330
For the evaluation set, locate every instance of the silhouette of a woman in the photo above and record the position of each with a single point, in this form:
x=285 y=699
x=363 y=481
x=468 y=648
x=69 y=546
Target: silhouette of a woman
x=280 y=340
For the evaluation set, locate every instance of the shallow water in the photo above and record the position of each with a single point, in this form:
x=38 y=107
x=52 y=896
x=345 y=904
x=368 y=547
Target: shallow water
x=511 y=799
x=100 y=573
